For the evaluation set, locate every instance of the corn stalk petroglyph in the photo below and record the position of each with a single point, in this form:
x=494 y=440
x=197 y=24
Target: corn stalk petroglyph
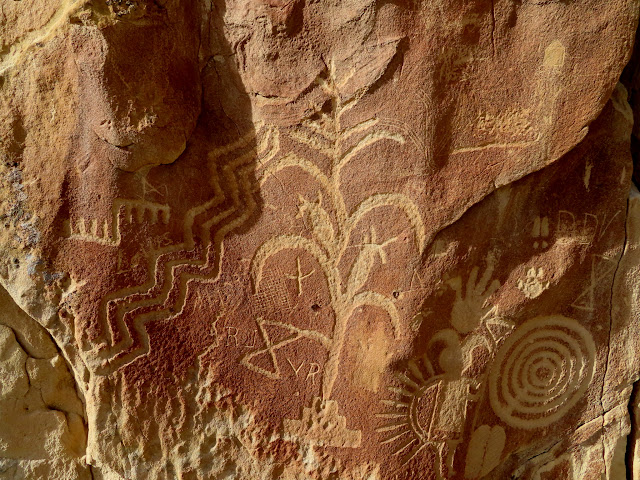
x=331 y=226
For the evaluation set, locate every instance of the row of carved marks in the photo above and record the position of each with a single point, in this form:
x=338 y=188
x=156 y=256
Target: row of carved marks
x=123 y=211
x=123 y=314
x=537 y=375
x=585 y=228
x=331 y=228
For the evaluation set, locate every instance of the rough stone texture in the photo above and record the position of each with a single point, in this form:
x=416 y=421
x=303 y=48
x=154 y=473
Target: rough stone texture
x=43 y=434
x=330 y=239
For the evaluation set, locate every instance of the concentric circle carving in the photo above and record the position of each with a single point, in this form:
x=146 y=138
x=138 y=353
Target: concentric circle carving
x=541 y=371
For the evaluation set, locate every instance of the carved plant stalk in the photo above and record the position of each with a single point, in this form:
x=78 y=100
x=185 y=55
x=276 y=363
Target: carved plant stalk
x=328 y=244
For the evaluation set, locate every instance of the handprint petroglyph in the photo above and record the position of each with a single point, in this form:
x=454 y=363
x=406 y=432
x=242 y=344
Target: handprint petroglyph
x=440 y=388
x=471 y=306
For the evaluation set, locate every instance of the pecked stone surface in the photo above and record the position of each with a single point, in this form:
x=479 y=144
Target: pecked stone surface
x=327 y=239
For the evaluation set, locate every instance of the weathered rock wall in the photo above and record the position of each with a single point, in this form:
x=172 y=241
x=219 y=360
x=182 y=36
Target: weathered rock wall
x=327 y=239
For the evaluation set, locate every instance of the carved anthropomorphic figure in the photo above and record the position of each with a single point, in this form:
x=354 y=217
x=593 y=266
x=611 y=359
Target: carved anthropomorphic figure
x=246 y=225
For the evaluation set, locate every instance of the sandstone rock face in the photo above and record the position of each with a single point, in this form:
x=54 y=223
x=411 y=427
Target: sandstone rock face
x=43 y=433
x=327 y=239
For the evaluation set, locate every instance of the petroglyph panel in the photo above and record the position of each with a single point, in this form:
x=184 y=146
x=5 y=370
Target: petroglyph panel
x=317 y=239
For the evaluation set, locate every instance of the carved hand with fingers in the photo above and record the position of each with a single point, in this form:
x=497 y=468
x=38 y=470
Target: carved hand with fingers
x=469 y=310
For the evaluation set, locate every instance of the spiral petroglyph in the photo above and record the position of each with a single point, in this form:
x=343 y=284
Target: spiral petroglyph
x=541 y=371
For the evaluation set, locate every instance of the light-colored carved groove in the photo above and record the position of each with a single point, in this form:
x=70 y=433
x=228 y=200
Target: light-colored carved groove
x=376 y=299
x=395 y=437
x=495 y=145
x=317 y=141
x=404 y=445
x=390 y=416
x=397 y=200
x=394 y=404
x=291 y=160
x=407 y=132
x=362 y=127
x=407 y=381
x=129 y=211
x=413 y=368
x=400 y=391
x=389 y=428
x=365 y=142
x=196 y=258
x=416 y=450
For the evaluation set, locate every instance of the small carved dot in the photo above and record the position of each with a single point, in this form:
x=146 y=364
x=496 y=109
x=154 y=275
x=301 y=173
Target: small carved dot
x=315 y=307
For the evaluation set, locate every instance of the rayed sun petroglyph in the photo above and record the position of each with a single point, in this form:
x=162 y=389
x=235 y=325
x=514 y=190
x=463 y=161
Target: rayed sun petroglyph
x=332 y=228
x=535 y=377
x=430 y=405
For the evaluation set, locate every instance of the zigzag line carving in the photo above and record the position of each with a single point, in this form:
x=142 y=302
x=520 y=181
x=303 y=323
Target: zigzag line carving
x=123 y=314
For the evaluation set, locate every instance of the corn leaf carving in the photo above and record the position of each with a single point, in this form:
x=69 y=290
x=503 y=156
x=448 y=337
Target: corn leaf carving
x=329 y=224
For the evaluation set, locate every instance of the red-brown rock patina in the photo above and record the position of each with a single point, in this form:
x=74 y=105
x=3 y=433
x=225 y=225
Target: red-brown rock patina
x=327 y=239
